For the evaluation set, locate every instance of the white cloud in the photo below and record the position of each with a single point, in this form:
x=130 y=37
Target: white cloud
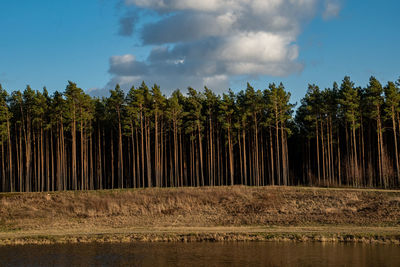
x=332 y=9
x=197 y=43
x=258 y=47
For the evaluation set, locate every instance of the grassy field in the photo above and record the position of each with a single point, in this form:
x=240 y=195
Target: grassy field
x=198 y=214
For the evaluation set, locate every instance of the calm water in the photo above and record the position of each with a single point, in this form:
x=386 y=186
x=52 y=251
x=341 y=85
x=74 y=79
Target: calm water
x=202 y=254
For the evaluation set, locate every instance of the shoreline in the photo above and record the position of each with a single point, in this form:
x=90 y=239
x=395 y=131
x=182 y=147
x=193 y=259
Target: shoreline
x=212 y=214
x=331 y=234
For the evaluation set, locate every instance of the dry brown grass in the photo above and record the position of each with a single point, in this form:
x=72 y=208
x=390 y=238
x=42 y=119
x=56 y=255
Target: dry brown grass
x=198 y=207
x=201 y=214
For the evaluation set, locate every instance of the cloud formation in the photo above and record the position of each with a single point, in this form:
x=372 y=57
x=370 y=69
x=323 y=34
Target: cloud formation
x=197 y=43
x=332 y=9
x=127 y=24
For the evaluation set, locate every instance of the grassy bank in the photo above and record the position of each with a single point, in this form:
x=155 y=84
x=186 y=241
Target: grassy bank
x=200 y=214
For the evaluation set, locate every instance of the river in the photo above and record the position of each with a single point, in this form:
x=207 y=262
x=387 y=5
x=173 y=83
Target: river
x=202 y=254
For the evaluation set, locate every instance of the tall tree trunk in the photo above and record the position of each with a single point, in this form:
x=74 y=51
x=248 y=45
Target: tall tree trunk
x=134 y=177
x=348 y=154
x=262 y=177
x=244 y=157
x=176 y=163
x=50 y=161
x=209 y=150
x=323 y=153
x=182 y=164
x=105 y=178
x=28 y=156
x=362 y=152
x=309 y=178
x=380 y=165
x=156 y=151
x=112 y=159
x=162 y=164
x=395 y=146
x=317 y=139
x=278 y=162
x=91 y=165
x=284 y=170
x=332 y=153
x=99 y=160
x=3 y=168
x=339 y=159
x=120 y=155
x=257 y=168
x=201 y=154
x=240 y=158
x=139 y=184
x=74 y=165
x=231 y=171
x=10 y=165
x=142 y=144
x=18 y=147
x=42 y=159
x=148 y=156
x=36 y=185
x=82 y=174
x=271 y=147
x=287 y=156
x=328 y=141
x=355 y=153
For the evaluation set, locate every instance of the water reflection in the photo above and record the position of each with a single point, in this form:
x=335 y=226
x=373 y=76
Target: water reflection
x=202 y=254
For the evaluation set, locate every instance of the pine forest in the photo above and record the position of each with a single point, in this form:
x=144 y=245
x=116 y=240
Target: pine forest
x=340 y=136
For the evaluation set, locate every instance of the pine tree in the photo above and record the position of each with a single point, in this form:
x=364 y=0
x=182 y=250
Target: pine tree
x=312 y=103
x=392 y=104
x=39 y=111
x=158 y=108
x=17 y=109
x=73 y=99
x=28 y=103
x=5 y=140
x=58 y=112
x=211 y=111
x=285 y=112
x=243 y=124
x=194 y=128
x=254 y=104
x=227 y=112
x=174 y=114
x=115 y=105
x=350 y=102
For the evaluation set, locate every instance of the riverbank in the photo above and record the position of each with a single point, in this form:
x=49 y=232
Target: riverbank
x=235 y=213
x=372 y=235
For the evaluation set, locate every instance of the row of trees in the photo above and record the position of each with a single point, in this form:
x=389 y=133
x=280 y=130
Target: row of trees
x=143 y=139
x=349 y=135
x=344 y=135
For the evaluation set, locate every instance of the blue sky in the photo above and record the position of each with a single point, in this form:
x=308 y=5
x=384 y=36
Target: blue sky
x=47 y=43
